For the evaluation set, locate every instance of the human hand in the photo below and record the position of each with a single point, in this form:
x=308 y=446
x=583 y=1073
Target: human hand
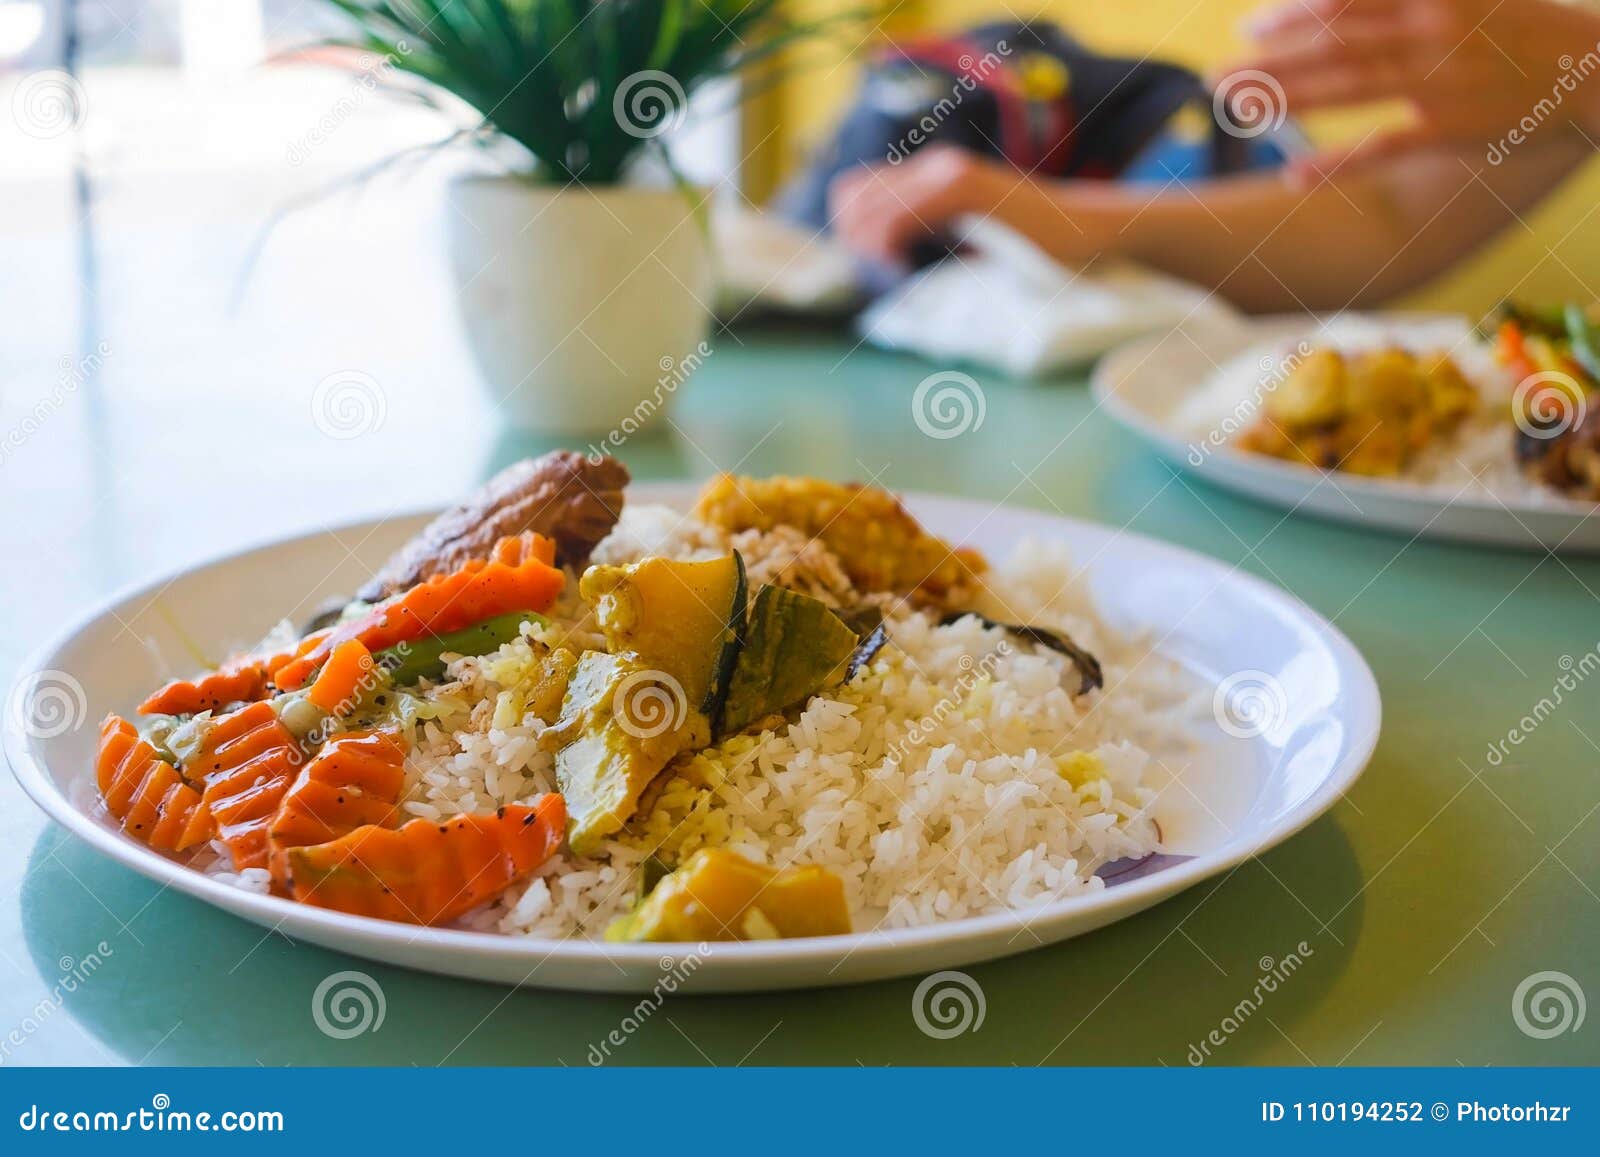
x=881 y=211
x=1474 y=72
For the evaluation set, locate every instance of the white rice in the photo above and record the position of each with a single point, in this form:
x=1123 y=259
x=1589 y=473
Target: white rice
x=934 y=784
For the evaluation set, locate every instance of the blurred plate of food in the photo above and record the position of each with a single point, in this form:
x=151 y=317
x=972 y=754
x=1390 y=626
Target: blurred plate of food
x=1418 y=423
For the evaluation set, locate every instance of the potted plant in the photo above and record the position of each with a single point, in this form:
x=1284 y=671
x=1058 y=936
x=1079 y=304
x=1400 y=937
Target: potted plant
x=577 y=285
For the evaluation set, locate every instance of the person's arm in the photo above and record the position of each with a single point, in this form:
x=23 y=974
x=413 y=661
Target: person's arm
x=1268 y=245
x=1262 y=242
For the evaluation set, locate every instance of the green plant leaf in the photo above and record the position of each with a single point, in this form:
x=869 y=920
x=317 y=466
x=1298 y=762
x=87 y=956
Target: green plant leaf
x=547 y=73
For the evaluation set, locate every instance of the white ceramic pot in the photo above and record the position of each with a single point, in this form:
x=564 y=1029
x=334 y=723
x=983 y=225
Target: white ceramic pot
x=583 y=306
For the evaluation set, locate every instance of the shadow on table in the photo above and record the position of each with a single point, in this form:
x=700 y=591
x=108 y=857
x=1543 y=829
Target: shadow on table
x=183 y=983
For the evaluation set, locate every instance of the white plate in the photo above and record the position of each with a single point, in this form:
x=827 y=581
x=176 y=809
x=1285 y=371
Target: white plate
x=1239 y=797
x=1145 y=384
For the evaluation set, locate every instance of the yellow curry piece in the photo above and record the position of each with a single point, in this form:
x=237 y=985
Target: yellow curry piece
x=879 y=544
x=671 y=629
x=720 y=895
x=1368 y=413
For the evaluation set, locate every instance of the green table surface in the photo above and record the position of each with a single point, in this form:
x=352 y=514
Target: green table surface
x=1424 y=898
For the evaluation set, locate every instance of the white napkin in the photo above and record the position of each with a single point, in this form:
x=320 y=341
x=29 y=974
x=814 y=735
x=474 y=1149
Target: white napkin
x=1005 y=304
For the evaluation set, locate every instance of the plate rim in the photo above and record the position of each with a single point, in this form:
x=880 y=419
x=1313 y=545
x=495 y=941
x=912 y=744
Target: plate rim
x=1364 y=707
x=1264 y=328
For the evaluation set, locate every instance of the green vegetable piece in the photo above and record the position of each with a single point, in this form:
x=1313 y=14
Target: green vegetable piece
x=424 y=658
x=1585 y=338
x=733 y=643
x=1544 y=320
x=652 y=872
x=794 y=647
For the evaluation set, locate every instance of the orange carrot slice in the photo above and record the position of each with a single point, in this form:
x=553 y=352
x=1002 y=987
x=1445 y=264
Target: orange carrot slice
x=517 y=548
x=355 y=781
x=146 y=792
x=240 y=680
x=247 y=762
x=338 y=685
x=514 y=578
x=426 y=872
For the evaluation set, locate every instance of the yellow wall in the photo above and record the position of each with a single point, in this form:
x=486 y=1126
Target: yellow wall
x=1199 y=35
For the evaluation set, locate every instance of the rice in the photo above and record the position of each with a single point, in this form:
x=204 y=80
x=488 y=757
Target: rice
x=955 y=776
